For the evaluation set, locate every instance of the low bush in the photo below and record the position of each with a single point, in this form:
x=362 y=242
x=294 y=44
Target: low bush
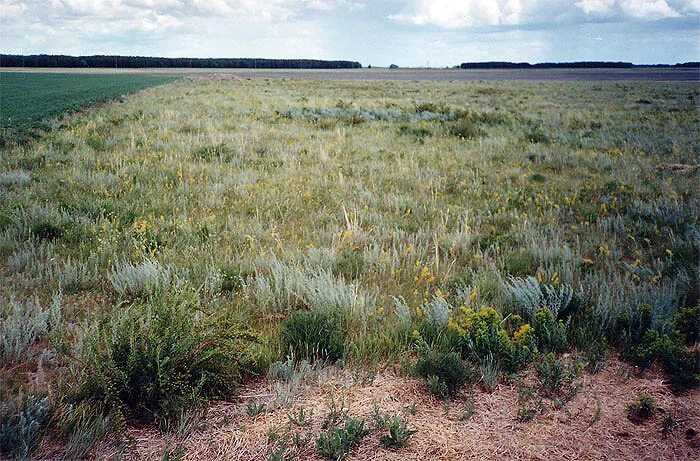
x=46 y=231
x=219 y=152
x=669 y=425
x=312 y=335
x=520 y=263
x=419 y=132
x=687 y=322
x=445 y=372
x=152 y=361
x=538 y=178
x=681 y=366
x=254 y=408
x=641 y=408
x=595 y=354
x=466 y=129
x=335 y=443
x=529 y=403
x=535 y=135
x=482 y=334
x=232 y=279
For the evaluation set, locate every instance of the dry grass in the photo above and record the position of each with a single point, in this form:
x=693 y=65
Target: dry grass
x=592 y=426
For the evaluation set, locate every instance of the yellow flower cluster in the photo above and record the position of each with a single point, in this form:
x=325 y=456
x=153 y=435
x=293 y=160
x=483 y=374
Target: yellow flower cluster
x=141 y=226
x=523 y=333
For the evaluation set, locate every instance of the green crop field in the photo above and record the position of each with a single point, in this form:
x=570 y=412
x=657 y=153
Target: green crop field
x=26 y=98
x=307 y=269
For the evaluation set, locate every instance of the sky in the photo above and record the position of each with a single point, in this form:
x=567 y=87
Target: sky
x=434 y=33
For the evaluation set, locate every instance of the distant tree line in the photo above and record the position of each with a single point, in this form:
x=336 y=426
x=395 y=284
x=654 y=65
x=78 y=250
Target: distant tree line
x=45 y=60
x=568 y=65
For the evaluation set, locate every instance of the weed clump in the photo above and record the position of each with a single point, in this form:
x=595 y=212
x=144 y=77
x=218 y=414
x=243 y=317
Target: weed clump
x=687 y=323
x=219 y=152
x=399 y=433
x=482 y=334
x=335 y=442
x=418 y=132
x=232 y=279
x=557 y=379
x=529 y=403
x=314 y=335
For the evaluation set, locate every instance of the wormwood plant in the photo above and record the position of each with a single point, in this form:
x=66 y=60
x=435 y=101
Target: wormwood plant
x=151 y=361
x=22 y=324
x=21 y=429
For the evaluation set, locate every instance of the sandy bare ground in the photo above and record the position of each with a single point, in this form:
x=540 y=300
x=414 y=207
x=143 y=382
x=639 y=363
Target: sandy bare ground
x=639 y=74
x=592 y=426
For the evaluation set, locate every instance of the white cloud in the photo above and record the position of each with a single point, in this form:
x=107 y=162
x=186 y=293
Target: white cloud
x=479 y=13
x=9 y=10
x=596 y=6
x=466 y=13
x=692 y=6
x=645 y=9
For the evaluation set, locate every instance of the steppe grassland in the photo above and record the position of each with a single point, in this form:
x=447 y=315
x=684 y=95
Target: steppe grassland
x=400 y=204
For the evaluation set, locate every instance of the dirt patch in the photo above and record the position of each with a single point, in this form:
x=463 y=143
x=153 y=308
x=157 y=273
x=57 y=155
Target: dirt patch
x=593 y=425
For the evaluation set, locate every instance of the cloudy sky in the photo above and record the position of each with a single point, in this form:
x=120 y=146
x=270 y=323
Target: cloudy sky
x=407 y=33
